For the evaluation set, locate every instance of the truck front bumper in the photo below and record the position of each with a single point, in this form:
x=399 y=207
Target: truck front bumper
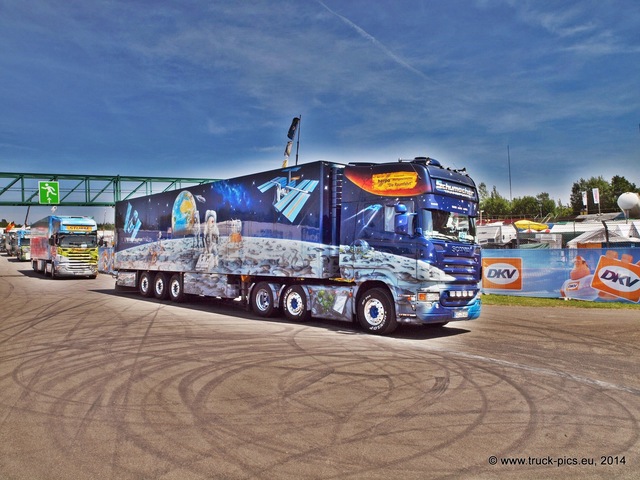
x=75 y=270
x=443 y=306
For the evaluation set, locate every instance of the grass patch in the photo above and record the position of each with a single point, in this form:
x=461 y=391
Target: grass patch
x=514 y=301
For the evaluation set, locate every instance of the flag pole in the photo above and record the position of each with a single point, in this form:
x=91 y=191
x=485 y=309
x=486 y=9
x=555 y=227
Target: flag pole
x=509 y=161
x=298 y=142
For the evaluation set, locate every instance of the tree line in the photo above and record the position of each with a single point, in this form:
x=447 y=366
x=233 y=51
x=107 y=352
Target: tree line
x=495 y=206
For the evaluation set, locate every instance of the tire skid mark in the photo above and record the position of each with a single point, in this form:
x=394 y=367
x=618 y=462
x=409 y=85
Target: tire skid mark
x=158 y=392
x=548 y=372
x=383 y=431
x=132 y=374
x=551 y=331
x=42 y=315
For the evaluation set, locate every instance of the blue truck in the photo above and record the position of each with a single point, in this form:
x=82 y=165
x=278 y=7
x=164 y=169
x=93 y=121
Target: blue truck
x=378 y=244
x=23 y=245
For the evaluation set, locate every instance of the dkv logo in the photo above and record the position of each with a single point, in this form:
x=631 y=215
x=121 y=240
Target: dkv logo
x=502 y=273
x=618 y=278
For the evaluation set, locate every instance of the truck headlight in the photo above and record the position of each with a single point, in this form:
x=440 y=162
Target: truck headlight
x=428 y=296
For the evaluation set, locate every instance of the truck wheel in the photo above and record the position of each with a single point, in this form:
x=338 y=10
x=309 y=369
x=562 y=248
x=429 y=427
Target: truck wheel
x=376 y=313
x=145 y=285
x=160 y=286
x=176 y=292
x=294 y=304
x=262 y=301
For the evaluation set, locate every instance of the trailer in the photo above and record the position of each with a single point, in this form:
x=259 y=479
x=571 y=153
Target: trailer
x=65 y=246
x=380 y=244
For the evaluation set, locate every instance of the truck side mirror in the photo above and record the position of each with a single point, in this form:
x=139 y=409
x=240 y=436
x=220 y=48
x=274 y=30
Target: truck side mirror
x=401 y=223
x=400 y=208
x=51 y=241
x=402 y=220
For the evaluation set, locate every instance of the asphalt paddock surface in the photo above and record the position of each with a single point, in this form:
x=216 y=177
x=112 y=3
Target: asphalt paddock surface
x=99 y=384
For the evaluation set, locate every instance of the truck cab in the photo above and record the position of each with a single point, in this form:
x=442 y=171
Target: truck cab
x=23 y=247
x=412 y=228
x=65 y=246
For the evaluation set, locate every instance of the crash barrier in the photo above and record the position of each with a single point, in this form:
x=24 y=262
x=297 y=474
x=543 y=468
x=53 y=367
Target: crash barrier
x=593 y=274
x=599 y=275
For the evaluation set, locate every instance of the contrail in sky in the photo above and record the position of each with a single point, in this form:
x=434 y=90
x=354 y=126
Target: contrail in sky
x=373 y=40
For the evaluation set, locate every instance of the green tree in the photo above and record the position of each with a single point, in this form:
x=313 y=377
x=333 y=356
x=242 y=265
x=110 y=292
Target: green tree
x=495 y=205
x=483 y=192
x=607 y=202
x=620 y=185
x=547 y=205
x=562 y=211
x=609 y=193
x=525 y=207
x=533 y=207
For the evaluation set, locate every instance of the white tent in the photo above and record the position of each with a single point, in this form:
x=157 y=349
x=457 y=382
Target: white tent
x=600 y=236
x=627 y=229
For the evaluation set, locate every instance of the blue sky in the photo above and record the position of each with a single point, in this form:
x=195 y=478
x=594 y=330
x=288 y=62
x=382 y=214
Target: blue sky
x=209 y=88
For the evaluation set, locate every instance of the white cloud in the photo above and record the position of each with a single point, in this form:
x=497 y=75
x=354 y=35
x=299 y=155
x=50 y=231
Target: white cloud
x=558 y=81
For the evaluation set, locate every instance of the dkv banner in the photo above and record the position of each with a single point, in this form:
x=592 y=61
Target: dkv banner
x=582 y=274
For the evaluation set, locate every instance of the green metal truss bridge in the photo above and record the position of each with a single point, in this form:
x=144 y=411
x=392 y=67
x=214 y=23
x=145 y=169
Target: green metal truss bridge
x=22 y=189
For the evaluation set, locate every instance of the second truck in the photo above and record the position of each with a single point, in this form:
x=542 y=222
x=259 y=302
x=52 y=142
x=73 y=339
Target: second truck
x=65 y=246
x=380 y=244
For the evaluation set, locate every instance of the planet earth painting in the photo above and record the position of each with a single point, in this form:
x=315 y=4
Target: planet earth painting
x=185 y=216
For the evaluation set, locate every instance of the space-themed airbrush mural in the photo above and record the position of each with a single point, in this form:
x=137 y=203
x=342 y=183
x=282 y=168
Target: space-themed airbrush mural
x=329 y=228
x=269 y=224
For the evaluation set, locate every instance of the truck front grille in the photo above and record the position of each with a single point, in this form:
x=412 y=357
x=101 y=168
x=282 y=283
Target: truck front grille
x=463 y=268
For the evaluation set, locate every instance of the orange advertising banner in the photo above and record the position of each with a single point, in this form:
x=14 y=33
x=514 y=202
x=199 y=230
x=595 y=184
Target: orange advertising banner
x=588 y=274
x=618 y=278
x=394 y=181
x=502 y=273
x=399 y=180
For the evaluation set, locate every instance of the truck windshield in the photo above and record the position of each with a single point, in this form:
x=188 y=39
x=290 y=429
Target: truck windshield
x=448 y=225
x=67 y=241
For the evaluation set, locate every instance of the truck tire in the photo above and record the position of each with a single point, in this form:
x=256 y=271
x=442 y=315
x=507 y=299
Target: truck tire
x=160 y=286
x=145 y=285
x=376 y=313
x=294 y=304
x=262 y=300
x=176 y=292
